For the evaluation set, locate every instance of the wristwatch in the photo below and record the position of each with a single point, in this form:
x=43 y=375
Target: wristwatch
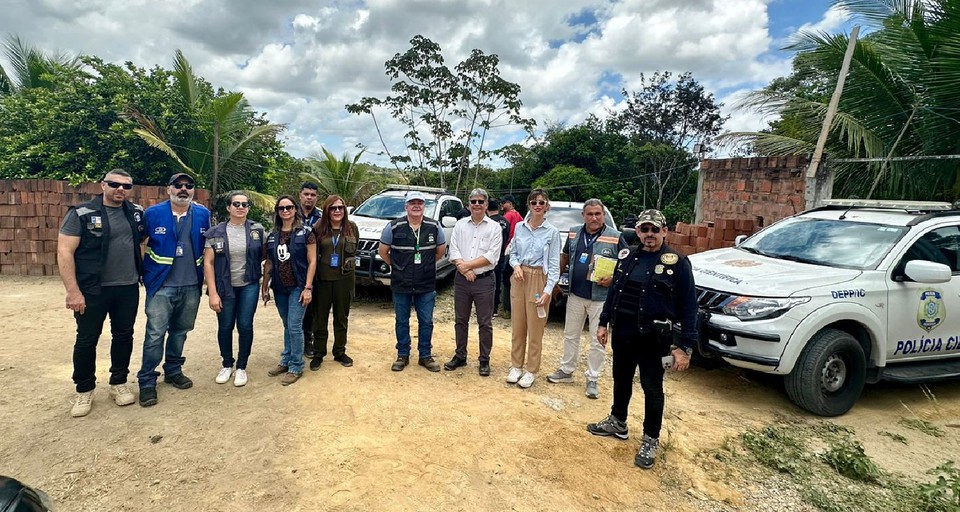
x=308 y=288
x=688 y=350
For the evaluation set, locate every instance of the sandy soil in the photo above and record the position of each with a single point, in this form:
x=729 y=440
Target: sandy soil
x=366 y=438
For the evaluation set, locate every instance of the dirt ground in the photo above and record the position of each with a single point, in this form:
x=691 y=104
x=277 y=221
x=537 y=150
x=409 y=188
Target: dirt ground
x=366 y=438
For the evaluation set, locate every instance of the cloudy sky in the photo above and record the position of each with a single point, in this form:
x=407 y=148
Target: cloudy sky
x=301 y=61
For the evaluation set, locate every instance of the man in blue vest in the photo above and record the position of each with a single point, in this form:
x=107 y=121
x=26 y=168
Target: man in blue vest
x=98 y=255
x=585 y=300
x=411 y=245
x=173 y=275
x=309 y=194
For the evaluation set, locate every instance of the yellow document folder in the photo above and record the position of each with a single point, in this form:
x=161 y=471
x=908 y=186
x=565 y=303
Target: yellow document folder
x=601 y=267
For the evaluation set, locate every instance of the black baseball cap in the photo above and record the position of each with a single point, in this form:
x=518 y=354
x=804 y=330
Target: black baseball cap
x=177 y=176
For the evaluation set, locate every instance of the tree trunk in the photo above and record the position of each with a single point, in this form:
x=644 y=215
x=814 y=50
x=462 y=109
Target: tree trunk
x=216 y=165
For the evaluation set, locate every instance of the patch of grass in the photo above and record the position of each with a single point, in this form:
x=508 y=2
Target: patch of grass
x=778 y=448
x=922 y=425
x=896 y=437
x=846 y=457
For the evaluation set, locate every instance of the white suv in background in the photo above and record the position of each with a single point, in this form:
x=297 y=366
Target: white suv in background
x=379 y=209
x=849 y=293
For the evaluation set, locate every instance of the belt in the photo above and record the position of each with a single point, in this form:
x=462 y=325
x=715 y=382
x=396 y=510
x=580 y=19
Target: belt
x=485 y=274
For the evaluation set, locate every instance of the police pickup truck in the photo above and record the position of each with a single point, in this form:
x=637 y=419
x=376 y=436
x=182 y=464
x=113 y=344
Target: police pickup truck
x=849 y=293
x=379 y=209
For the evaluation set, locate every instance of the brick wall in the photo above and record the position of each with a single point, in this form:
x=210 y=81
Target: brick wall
x=30 y=215
x=761 y=189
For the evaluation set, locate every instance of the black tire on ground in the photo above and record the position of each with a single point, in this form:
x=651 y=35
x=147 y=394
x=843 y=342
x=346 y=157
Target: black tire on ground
x=829 y=376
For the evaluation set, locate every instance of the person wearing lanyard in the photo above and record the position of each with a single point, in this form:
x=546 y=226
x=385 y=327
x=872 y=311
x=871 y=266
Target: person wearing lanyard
x=232 y=258
x=592 y=240
x=173 y=276
x=411 y=245
x=652 y=290
x=535 y=259
x=335 y=280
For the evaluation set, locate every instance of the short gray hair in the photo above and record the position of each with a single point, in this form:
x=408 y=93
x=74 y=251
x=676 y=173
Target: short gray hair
x=479 y=192
x=593 y=201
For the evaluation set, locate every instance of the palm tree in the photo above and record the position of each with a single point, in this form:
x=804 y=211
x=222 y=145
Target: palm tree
x=29 y=66
x=344 y=177
x=222 y=149
x=899 y=100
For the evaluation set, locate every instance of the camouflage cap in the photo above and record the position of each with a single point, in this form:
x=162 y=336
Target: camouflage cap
x=651 y=216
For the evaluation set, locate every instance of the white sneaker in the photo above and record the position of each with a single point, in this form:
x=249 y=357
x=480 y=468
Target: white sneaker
x=514 y=375
x=122 y=395
x=527 y=380
x=82 y=405
x=240 y=378
x=224 y=375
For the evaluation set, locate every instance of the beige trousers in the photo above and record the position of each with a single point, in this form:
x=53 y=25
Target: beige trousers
x=527 y=326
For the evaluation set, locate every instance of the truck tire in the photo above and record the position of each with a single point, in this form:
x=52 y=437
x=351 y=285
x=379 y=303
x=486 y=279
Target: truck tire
x=829 y=376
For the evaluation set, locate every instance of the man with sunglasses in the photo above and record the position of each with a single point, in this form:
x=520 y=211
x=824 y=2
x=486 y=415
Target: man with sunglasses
x=652 y=290
x=309 y=194
x=173 y=277
x=99 y=259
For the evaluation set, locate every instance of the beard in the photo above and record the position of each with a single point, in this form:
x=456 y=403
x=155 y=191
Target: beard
x=180 y=200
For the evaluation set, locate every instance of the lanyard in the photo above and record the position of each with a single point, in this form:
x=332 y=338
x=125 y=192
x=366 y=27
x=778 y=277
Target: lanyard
x=336 y=240
x=589 y=243
x=416 y=237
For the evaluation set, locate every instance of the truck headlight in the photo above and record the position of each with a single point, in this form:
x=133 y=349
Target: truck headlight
x=756 y=308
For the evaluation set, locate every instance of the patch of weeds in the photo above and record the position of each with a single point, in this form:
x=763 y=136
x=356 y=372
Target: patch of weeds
x=846 y=457
x=779 y=448
x=944 y=493
x=922 y=425
x=896 y=437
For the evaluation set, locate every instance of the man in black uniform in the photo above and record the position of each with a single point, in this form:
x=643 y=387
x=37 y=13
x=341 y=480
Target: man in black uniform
x=652 y=289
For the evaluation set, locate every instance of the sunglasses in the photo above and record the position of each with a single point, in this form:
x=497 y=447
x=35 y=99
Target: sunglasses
x=337 y=208
x=114 y=184
x=538 y=202
x=240 y=204
x=649 y=229
x=286 y=208
x=178 y=186
x=478 y=201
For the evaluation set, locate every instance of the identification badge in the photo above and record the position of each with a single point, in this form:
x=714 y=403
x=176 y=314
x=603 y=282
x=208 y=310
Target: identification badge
x=334 y=260
x=179 y=251
x=583 y=257
x=416 y=259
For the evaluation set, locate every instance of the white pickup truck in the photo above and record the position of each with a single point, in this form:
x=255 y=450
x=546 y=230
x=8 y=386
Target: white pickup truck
x=379 y=209
x=850 y=293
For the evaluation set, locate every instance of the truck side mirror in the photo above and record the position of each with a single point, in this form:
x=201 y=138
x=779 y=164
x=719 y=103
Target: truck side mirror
x=448 y=222
x=629 y=236
x=739 y=240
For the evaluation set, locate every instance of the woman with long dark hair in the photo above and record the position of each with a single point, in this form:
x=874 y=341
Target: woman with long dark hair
x=291 y=261
x=232 y=258
x=335 y=278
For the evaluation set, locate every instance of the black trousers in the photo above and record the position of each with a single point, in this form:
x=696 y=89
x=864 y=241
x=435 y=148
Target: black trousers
x=121 y=303
x=336 y=295
x=633 y=350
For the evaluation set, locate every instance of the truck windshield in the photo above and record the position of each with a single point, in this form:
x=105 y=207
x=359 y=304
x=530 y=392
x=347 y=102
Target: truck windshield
x=827 y=242
x=390 y=207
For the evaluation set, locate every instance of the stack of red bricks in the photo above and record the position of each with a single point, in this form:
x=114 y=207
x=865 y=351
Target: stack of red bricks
x=30 y=215
x=694 y=238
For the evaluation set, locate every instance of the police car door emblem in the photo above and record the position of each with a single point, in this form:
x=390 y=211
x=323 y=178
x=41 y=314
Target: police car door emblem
x=623 y=253
x=669 y=258
x=931 y=312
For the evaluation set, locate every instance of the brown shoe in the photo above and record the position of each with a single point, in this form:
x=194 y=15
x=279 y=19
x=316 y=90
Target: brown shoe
x=289 y=378
x=279 y=370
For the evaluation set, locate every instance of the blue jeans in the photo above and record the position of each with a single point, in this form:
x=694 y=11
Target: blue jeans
x=237 y=311
x=423 y=302
x=171 y=313
x=291 y=313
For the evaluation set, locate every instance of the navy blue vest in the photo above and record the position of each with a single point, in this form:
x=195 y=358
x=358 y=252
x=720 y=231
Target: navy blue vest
x=217 y=236
x=298 y=255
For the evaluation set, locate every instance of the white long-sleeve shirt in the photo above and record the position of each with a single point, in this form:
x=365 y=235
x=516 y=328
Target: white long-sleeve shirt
x=471 y=240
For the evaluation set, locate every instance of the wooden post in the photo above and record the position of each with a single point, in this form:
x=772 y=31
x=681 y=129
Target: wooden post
x=832 y=107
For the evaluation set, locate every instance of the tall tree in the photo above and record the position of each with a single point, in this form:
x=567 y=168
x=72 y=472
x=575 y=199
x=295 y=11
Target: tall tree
x=30 y=67
x=446 y=114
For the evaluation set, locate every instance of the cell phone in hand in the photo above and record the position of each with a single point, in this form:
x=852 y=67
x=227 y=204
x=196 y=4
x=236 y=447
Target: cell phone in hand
x=667 y=362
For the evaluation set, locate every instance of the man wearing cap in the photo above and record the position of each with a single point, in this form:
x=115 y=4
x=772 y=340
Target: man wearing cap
x=510 y=213
x=98 y=255
x=652 y=290
x=475 y=249
x=309 y=193
x=411 y=245
x=172 y=275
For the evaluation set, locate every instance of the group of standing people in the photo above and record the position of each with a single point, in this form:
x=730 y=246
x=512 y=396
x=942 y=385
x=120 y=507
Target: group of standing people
x=305 y=264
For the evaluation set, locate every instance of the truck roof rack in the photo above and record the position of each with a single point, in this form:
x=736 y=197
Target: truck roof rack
x=415 y=187
x=876 y=204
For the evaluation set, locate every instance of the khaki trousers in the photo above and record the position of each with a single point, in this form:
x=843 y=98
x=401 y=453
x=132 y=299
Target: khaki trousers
x=527 y=326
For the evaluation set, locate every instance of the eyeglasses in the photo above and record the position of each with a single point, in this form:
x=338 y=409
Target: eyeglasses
x=478 y=201
x=114 y=184
x=240 y=204
x=178 y=186
x=538 y=202
x=337 y=208
x=285 y=208
x=649 y=229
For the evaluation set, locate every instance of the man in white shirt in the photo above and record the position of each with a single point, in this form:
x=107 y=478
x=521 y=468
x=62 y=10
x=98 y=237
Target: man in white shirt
x=475 y=249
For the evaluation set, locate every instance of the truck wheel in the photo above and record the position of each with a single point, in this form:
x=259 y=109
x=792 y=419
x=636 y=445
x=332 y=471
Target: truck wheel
x=829 y=376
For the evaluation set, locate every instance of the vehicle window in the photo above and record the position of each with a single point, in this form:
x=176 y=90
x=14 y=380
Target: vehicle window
x=939 y=246
x=451 y=208
x=564 y=218
x=828 y=242
x=390 y=207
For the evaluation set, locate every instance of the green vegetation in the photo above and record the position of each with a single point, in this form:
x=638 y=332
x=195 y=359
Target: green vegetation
x=922 y=425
